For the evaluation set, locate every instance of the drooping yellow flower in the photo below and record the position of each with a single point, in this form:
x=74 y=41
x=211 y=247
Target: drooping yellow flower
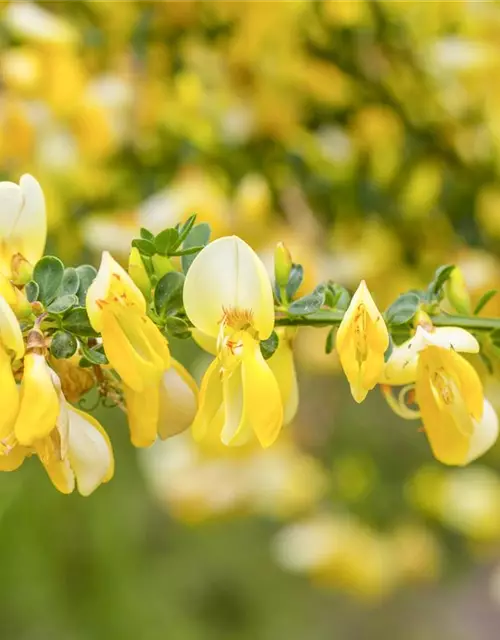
x=450 y=396
x=77 y=451
x=362 y=339
x=23 y=223
x=228 y=296
x=133 y=344
x=459 y=423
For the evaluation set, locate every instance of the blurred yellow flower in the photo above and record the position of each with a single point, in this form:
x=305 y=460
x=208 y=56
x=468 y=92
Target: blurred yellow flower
x=361 y=342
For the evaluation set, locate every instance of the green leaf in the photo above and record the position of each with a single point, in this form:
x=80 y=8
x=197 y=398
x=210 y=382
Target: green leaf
x=63 y=345
x=95 y=355
x=269 y=346
x=86 y=276
x=198 y=237
x=485 y=298
x=145 y=247
x=294 y=280
x=330 y=340
x=403 y=309
x=188 y=252
x=184 y=231
x=166 y=240
x=308 y=304
x=48 y=274
x=440 y=277
x=337 y=297
x=77 y=322
x=177 y=327
x=62 y=304
x=146 y=235
x=168 y=293
x=31 y=290
x=70 y=282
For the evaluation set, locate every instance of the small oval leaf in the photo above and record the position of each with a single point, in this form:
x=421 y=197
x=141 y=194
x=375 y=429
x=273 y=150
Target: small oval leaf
x=168 y=292
x=269 y=346
x=63 y=345
x=62 y=304
x=48 y=274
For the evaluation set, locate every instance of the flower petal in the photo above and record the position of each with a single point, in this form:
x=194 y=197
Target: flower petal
x=228 y=274
x=30 y=230
x=143 y=412
x=262 y=406
x=9 y=398
x=210 y=400
x=282 y=365
x=14 y=459
x=90 y=453
x=178 y=401
x=485 y=433
x=39 y=404
x=10 y=332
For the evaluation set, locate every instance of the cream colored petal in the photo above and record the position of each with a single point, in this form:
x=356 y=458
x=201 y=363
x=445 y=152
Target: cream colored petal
x=9 y=397
x=30 y=230
x=178 y=401
x=11 y=203
x=485 y=433
x=227 y=274
x=11 y=336
x=454 y=338
x=90 y=453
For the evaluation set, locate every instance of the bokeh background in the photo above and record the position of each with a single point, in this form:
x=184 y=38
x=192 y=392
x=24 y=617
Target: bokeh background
x=366 y=135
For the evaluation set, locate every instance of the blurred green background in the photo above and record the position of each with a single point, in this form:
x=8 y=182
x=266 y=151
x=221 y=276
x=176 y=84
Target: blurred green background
x=366 y=135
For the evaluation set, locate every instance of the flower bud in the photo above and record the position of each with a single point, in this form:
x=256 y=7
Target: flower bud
x=422 y=319
x=456 y=292
x=138 y=273
x=161 y=265
x=282 y=264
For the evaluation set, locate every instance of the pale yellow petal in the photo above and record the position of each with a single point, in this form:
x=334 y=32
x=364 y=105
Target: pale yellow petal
x=178 y=401
x=90 y=453
x=228 y=274
x=143 y=411
x=39 y=404
x=282 y=365
x=11 y=336
x=14 y=458
x=9 y=397
x=207 y=343
x=30 y=230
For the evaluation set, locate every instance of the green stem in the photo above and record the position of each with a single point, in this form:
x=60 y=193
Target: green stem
x=326 y=318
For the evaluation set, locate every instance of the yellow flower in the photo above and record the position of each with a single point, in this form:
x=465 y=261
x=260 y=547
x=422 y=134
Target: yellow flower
x=362 y=339
x=23 y=224
x=133 y=344
x=228 y=296
x=460 y=424
x=164 y=409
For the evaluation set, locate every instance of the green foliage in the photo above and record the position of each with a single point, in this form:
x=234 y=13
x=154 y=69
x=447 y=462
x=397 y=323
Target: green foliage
x=198 y=237
x=403 y=309
x=294 y=280
x=308 y=304
x=483 y=301
x=77 y=322
x=48 y=274
x=86 y=275
x=269 y=346
x=168 y=293
x=63 y=345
